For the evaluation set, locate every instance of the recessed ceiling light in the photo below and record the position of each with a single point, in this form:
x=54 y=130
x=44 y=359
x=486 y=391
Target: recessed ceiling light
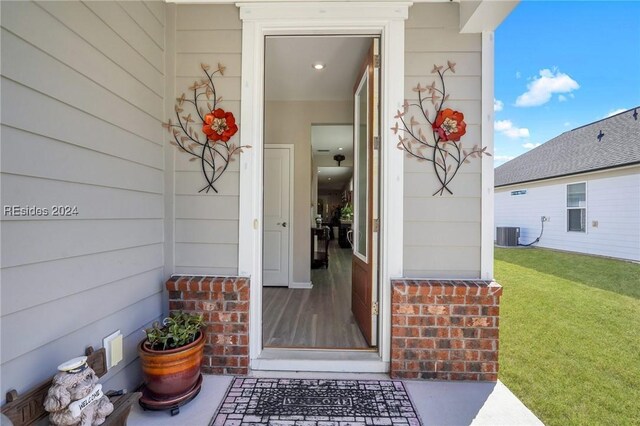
x=340 y=149
x=318 y=66
x=328 y=178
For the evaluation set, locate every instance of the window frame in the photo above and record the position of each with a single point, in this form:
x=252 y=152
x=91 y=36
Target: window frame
x=568 y=208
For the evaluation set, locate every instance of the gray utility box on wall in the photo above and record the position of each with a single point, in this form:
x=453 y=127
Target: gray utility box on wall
x=507 y=236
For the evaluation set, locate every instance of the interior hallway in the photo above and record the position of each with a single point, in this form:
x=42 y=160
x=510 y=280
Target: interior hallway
x=314 y=318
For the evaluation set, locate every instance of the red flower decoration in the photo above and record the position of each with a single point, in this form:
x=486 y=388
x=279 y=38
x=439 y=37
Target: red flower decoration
x=219 y=125
x=450 y=125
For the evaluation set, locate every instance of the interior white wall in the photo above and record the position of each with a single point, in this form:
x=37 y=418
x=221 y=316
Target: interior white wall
x=613 y=200
x=206 y=225
x=290 y=123
x=82 y=103
x=442 y=234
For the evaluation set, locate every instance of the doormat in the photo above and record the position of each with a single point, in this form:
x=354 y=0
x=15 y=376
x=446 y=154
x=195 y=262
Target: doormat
x=306 y=402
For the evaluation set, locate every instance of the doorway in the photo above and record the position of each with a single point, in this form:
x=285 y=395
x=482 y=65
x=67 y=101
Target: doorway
x=386 y=20
x=321 y=97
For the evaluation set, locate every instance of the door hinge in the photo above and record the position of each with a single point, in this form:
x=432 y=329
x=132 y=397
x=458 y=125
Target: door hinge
x=376 y=225
x=375 y=308
x=376 y=61
x=376 y=142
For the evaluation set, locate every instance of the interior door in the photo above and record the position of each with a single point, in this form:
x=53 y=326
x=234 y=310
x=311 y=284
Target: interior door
x=277 y=226
x=364 y=259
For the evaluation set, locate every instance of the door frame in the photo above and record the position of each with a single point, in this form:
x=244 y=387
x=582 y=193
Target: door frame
x=341 y=18
x=291 y=149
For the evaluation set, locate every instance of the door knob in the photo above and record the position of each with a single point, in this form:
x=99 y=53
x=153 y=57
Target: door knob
x=283 y=224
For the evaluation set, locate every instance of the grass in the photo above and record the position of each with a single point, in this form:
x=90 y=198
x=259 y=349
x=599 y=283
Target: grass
x=570 y=335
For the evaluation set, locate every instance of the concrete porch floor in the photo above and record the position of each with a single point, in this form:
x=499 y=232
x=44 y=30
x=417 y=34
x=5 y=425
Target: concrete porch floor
x=438 y=403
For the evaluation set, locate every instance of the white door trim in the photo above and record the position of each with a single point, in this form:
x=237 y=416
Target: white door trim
x=290 y=147
x=368 y=18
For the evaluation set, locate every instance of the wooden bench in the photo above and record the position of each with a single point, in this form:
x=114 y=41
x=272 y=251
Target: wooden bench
x=28 y=409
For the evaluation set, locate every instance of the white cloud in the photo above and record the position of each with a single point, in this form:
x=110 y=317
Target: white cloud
x=562 y=98
x=499 y=160
x=614 y=112
x=567 y=124
x=518 y=74
x=530 y=145
x=507 y=128
x=497 y=105
x=543 y=87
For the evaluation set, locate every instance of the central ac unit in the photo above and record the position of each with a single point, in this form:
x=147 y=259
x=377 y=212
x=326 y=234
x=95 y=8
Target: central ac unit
x=507 y=236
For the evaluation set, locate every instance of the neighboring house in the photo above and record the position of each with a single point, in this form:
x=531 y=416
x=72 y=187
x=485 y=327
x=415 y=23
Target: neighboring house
x=585 y=182
x=85 y=89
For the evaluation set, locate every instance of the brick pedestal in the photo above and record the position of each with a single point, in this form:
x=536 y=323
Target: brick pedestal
x=445 y=330
x=224 y=302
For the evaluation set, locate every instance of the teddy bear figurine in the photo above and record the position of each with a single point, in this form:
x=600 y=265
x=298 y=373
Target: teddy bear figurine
x=75 y=397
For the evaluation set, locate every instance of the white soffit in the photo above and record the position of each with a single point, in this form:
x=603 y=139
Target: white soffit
x=486 y=15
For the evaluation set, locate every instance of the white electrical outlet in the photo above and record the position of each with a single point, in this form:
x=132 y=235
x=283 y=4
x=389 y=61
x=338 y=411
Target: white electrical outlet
x=113 y=347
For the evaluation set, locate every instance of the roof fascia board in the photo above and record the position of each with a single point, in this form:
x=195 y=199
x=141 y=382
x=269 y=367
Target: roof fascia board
x=477 y=16
x=586 y=172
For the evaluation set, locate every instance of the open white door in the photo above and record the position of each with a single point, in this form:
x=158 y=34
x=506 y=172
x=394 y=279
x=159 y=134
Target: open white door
x=277 y=221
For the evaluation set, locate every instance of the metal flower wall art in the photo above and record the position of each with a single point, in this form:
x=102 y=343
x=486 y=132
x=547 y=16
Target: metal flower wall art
x=432 y=133
x=203 y=129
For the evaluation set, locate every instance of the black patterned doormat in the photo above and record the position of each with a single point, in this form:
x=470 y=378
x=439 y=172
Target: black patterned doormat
x=306 y=402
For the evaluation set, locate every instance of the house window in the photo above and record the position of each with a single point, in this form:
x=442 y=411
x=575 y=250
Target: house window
x=577 y=207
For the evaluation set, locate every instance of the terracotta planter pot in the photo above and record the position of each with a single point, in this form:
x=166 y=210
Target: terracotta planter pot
x=171 y=373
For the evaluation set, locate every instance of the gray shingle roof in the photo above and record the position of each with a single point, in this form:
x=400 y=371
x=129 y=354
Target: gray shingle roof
x=578 y=150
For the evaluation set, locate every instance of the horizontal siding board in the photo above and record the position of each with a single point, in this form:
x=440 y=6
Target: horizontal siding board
x=425 y=184
x=433 y=234
x=421 y=64
x=189 y=183
x=91 y=202
x=441 y=40
x=442 y=209
x=115 y=16
x=207 y=231
x=442 y=274
x=227 y=87
x=183 y=163
x=76 y=54
x=41 y=72
x=459 y=88
x=81 y=20
x=53 y=159
x=197 y=270
x=199 y=17
x=442 y=257
x=145 y=20
x=30 y=285
x=224 y=41
x=219 y=207
x=60 y=121
x=63 y=314
x=45 y=240
x=206 y=255
x=33 y=367
x=188 y=64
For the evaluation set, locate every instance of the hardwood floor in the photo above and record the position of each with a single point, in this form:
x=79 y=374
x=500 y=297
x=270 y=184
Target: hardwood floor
x=314 y=318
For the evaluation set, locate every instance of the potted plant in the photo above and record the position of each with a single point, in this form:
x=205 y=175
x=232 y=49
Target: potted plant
x=171 y=355
x=346 y=213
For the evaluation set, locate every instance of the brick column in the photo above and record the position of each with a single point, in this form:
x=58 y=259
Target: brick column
x=445 y=329
x=224 y=302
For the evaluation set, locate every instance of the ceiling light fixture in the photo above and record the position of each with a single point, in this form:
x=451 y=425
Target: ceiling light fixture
x=340 y=149
x=318 y=66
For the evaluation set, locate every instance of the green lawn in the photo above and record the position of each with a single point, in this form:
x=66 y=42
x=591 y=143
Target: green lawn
x=570 y=335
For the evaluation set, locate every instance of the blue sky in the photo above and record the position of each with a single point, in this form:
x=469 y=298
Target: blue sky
x=560 y=65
